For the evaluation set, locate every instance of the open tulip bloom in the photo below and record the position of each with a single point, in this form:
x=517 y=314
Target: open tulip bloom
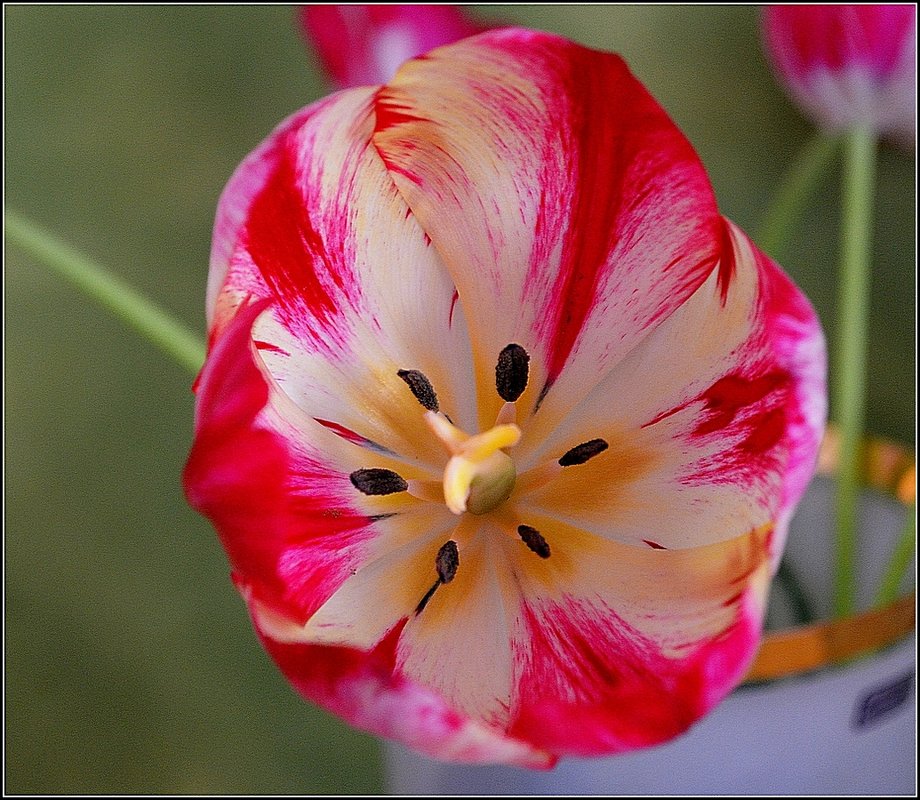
x=502 y=423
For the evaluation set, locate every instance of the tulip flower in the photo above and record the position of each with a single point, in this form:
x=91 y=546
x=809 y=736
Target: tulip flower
x=360 y=45
x=502 y=423
x=848 y=65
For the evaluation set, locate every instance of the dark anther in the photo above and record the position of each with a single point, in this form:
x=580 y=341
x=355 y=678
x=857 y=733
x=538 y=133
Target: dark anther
x=511 y=372
x=584 y=451
x=447 y=561
x=534 y=540
x=421 y=387
x=378 y=481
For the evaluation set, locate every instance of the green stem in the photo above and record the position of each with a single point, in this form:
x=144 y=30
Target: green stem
x=900 y=560
x=795 y=594
x=848 y=384
x=108 y=290
x=800 y=181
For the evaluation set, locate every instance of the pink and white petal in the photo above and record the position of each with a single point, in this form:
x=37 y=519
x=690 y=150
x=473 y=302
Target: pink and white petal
x=367 y=690
x=618 y=647
x=571 y=212
x=713 y=421
x=359 y=293
x=456 y=646
x=244 y=185
x=459 y=646
x=278 y=492
x=385 y=591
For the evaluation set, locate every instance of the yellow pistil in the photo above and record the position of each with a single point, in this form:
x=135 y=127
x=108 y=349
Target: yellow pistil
x=479 y=476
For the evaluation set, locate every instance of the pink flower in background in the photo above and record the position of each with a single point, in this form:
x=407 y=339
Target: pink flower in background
x=363 y=45
x=848 y=65
x=502 y=423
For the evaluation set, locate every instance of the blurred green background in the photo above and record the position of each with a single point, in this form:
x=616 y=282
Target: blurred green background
x=131 y=665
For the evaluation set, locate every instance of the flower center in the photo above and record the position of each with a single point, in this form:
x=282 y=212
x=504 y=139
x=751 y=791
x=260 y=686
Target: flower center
x=479 y=475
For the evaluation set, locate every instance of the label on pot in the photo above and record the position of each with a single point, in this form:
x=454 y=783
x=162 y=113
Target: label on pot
x=882 y=701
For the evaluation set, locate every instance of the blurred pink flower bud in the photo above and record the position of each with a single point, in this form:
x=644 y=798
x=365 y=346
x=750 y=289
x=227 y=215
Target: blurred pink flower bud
x=363 y=45
x=848 y=65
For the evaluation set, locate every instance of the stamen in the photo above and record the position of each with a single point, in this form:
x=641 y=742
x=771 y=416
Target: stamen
x=534 y=540
x=506 y=414
x=433 y=491
x=511 y=372
x=447 y=561
x=378 y=481
x=428 y=595
x=421 y=387
x=583 y=452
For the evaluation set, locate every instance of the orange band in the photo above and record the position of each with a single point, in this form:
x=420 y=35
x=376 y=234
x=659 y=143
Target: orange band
x=810 y=647
x=889 y=468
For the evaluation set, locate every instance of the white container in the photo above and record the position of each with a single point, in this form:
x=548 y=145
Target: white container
x=848 y=729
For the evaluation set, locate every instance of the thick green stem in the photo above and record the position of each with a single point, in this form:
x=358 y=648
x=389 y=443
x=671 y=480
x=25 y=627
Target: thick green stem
x=148 y=319
x=900 y=560
x=848 y=383
x=800 y=182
